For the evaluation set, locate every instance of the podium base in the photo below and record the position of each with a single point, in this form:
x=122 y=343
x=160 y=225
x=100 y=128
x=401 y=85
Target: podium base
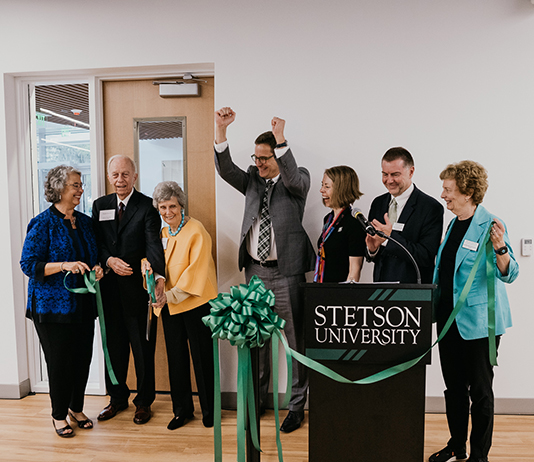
x=383 y=422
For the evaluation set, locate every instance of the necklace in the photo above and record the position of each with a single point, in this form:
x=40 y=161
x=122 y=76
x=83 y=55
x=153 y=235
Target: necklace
x=179 y=227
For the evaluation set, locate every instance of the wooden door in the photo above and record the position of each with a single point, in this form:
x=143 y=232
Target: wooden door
x=127 y=100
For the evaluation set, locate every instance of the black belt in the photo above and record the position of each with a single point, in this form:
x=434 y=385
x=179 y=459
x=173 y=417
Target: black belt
x=266 y=263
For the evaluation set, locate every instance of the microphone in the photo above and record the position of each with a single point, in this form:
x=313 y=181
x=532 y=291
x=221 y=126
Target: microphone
x=368 y=227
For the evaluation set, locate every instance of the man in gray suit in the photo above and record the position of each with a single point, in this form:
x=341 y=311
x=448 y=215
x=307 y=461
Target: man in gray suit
x=273 y=244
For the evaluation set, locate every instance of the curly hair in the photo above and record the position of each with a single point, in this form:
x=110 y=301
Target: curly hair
x=56 y=180
x=166 y=190
x=471 y=179
x=346 y=185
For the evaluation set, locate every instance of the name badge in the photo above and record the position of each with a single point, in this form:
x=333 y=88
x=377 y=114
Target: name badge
x=164 y=241
x=470 y=245
x=107 y=215
x=398 y=226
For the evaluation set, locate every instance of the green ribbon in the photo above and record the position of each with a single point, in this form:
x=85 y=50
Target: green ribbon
x=485 y=248
x=490 y=277
x=246 y=319
x=151 y=286
x=92 y=286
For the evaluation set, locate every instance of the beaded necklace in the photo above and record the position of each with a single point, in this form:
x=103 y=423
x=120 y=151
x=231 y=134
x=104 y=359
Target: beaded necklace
x=179 y=227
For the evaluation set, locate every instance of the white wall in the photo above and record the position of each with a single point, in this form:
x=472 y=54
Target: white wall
x=447 y=80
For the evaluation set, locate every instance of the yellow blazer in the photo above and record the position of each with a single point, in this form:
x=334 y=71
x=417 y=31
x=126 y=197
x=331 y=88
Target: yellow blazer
x=189 y=266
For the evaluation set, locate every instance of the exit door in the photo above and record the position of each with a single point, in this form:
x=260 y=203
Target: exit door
x=125 y=103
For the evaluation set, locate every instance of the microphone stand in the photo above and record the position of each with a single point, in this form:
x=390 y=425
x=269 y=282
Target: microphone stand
x=385 y=236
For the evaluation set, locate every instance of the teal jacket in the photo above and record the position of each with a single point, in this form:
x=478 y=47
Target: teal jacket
x=472 y=320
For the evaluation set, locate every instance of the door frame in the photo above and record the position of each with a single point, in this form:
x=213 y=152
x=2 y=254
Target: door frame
x=18 y=135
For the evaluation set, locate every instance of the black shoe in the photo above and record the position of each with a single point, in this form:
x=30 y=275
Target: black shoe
x=292 y=421
x=446 y=455
x=64 y=432
x=142 y=415
x=477 y=459
x=207 y=421
x=111 y=410
x=179 y=421
x=86 y=424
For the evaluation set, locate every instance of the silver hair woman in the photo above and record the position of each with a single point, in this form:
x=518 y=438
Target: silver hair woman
x=165 y=191
x=60 y=240
x=56 y=180
x=190 y=283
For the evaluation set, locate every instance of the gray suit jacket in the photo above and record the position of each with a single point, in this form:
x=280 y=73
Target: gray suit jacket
x=286 y=207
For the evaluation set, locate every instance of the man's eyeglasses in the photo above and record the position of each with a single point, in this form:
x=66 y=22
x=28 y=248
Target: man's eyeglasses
x=261 y=160
x=75 y=185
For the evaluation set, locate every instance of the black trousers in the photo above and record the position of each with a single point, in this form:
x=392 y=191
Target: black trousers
x=68 y=349
x=179 y=329
x=124 y=330
x=468 y=376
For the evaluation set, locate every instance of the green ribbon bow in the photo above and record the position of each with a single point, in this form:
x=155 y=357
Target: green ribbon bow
x=92 y=286
x=245 y=318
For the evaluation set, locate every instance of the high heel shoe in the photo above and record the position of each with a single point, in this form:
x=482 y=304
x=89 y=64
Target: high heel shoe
x=86 y=424
x=63 y=432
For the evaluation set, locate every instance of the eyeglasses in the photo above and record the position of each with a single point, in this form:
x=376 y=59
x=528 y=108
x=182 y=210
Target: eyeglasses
x=261 y=160
x=75 y=185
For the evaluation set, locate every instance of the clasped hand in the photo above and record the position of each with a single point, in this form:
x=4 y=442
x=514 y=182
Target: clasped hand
x=374 y=242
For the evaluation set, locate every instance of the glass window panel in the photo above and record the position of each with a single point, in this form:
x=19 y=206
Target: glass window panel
x=160 y=152
x=62 y=134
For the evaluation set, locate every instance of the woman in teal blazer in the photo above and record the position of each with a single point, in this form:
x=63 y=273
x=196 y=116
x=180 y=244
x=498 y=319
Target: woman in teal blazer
x=464 y=350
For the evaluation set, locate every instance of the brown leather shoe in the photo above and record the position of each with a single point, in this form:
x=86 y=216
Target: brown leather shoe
x=111 y=410
x=142 y=415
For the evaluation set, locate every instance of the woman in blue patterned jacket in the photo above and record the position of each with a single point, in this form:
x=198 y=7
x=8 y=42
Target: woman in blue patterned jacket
x=59 y=240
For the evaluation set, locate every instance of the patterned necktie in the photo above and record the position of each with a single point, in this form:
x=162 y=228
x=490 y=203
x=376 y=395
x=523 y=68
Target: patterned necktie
x=264 y=239
x=121 y=210
x=392 y=212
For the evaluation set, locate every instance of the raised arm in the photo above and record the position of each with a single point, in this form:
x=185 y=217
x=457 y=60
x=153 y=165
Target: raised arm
x=296 y=180
x=224 y=164
x=223 y=117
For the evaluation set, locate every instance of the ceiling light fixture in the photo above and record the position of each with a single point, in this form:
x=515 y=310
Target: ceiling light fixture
x=70 y=119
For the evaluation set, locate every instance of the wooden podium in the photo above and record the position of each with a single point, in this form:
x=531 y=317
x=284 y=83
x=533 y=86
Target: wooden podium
x=358 y=330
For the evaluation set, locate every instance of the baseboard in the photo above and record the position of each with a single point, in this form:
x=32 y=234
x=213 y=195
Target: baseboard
x=15 y=391
x=509 y=406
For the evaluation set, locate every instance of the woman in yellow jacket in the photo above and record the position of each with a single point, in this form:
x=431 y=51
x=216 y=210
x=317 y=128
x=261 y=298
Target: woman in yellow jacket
x=190 y=283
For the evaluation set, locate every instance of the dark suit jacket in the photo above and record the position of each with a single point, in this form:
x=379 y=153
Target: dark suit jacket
x=286 y=207
x=135 y=238
x=422 y=217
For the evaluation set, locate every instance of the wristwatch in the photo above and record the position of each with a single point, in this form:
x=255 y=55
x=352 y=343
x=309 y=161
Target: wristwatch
x=501 y=250
x=281 y=145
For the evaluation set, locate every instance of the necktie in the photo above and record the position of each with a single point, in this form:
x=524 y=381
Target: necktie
x=392 y=212
x=121 y=210
x=264 y=239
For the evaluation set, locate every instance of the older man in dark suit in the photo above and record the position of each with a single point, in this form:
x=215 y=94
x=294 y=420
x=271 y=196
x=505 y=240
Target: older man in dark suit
x=409 y=216
x=273 y=243
x=127 y=228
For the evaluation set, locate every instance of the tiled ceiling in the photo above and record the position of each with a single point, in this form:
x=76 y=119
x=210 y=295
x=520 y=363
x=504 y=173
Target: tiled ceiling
x=62 y=99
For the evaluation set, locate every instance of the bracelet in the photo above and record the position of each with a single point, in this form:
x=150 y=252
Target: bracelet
x=281 y=145
x=61 y=267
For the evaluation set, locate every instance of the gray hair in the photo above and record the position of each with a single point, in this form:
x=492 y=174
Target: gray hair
x=120 y=156
x=56 y=180
x=165 y=191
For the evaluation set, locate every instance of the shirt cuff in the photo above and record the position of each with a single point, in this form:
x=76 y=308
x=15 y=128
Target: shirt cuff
x=281 y=151
x=372 y=254
x=221 y=146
